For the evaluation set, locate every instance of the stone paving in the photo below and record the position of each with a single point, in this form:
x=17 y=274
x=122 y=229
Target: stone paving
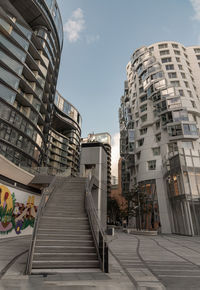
x=136 y=262
x=160 y=262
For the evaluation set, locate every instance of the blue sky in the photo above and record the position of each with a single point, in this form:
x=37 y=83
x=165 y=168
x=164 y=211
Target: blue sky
x=100 y=36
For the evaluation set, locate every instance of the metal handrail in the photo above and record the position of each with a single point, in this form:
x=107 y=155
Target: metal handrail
x=45 y=197
x=99 y=236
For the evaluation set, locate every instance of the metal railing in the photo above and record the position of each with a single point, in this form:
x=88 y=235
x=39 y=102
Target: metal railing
x=46 y=194
x=98 y=233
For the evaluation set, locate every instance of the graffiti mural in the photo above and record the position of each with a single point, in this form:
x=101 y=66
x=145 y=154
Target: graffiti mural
x=15 y=215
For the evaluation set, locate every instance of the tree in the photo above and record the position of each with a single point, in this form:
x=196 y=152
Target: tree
x=137 y=205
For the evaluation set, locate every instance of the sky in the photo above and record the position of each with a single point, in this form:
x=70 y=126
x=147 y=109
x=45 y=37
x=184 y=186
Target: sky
x=99 y=38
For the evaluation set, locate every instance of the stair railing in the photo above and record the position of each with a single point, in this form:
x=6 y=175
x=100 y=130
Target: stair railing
x=99 y=236
x=46 y=193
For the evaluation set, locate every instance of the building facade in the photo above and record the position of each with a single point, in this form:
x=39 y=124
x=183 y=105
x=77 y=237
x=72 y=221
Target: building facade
x=105 y=139
x=64 y=139
x=159 y=135
x=33 y=123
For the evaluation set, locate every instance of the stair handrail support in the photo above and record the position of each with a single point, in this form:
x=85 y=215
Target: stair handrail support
x=46 y=193
x=95 y=224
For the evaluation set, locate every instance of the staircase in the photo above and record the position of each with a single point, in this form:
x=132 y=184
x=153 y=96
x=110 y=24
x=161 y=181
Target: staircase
x=64 y=239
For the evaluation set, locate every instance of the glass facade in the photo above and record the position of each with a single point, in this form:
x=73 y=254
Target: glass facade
x=29 y=60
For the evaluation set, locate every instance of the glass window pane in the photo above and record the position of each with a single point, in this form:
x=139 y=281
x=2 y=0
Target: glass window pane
x=14 y=65
x=9 y=78
x=7 y=94
x=22 y=42
x=12 y=48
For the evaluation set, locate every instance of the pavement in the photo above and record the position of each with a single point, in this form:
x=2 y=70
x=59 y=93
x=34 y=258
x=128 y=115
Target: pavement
x=135 y=262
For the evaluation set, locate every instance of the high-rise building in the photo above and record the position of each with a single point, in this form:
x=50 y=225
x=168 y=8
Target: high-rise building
x=36 y=129
x=159 y=135
x=65 y=134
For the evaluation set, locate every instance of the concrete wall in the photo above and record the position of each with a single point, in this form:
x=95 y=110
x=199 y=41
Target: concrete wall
x=12 y=171
x=97 y=156
x=18 y=209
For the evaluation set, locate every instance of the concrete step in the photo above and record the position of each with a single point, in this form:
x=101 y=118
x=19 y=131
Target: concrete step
x=64 y=256
x=64 y=249
x=69 y=236
x=67 y=227
x=55 y=242
x=66 y=219
x=63 y=264
x=62 y=215
x=62 y=231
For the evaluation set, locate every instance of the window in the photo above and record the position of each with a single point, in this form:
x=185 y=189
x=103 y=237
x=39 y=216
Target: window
x=156 y=151
x=166 y=59
x=186 y=84
x=163 y=45
x=177 y=52
x=140 y=142
x=144 y=118
x=157 y=125
x=169 y=67
x=158 y=137
x=197 y=50
x=151 y=49
x=180 y=66
x=143 y=131
x=190 y=129
x=143 y=108
x=138 y=155
x=183 y=75
x=198 y=56
x=143 y=99
x=174 y=45
x=193 y=104
x=175 y=130
x=178 y=59
x=164 y=52
x=190 y=94
x=151 y=165
x=181 y=93
x=7 y=94
x=175 y=83
x=9 y=78
x=181 y=115
x=172 y=75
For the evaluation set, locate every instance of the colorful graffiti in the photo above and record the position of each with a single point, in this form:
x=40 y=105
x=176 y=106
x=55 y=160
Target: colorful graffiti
x=14 y=215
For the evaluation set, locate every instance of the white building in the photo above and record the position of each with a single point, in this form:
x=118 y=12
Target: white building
x=159 y=128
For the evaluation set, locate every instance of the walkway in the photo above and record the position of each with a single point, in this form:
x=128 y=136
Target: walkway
x=159 y=262
x=136 y=262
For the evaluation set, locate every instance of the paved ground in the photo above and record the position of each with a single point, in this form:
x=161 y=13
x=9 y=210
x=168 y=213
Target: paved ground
x=160 y=262
x=136 y=262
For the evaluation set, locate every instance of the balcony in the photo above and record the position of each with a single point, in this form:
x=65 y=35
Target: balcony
x=182 y=130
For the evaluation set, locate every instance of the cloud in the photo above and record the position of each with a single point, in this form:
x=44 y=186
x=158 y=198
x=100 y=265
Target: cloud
x=75 y=25
x=115 y=153
x=196 y=7
x=92 y=38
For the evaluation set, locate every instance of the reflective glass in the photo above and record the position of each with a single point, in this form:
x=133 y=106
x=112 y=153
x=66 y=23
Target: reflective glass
x=9 y=78
x=5 y=25
x=12 y=48
x=7 y=94
x=14 y=65
x=22 y=42
x=24 y=30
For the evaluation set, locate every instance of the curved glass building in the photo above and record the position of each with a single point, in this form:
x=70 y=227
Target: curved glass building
x=31 y=37
x=65 y=133
x=159 y=135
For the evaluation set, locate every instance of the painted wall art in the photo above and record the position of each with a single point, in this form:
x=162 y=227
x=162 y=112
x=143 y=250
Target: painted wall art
x=17 y=210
